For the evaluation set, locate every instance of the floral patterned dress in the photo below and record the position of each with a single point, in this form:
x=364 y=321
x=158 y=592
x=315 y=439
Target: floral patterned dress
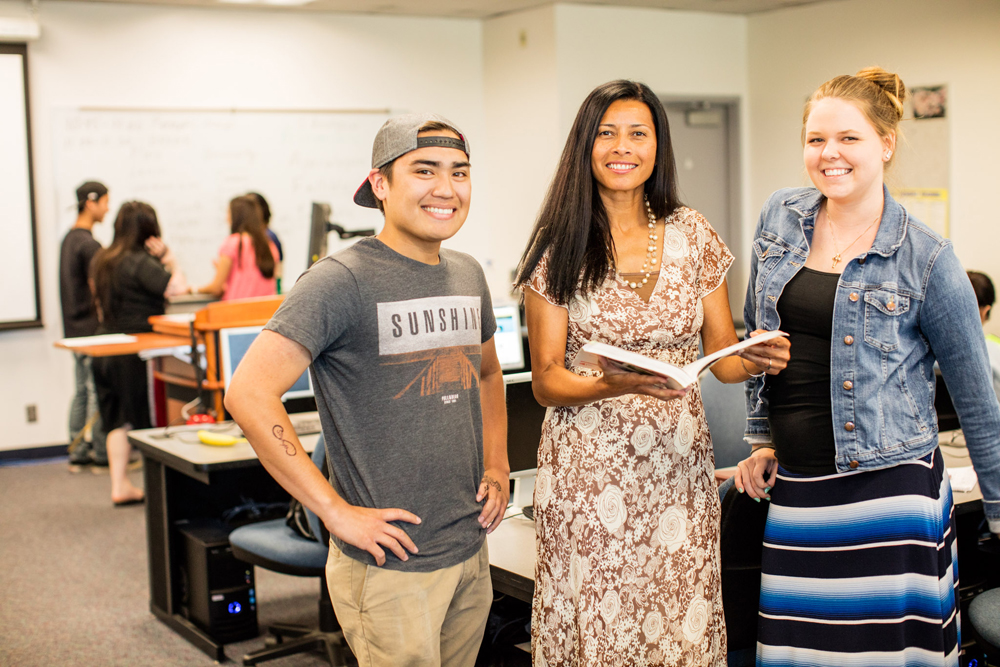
x=626 y=506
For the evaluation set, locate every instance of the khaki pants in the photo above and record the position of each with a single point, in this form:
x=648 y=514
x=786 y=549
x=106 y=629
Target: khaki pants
x=417 y=619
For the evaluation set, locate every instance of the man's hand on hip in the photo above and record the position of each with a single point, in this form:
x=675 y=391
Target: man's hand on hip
x=495 y=489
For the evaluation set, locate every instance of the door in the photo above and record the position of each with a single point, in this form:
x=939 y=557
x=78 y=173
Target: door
x=704 y=137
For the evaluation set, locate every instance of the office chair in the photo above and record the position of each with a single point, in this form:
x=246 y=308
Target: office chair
x=275 y=546
x=741 y=542
x=984 y=617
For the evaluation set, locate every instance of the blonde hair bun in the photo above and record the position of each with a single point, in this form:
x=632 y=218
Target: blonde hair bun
x=890 y=84
x=877 y=93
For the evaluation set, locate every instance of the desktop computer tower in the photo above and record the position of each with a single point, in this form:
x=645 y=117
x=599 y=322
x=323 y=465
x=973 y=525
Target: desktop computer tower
x=217 y=590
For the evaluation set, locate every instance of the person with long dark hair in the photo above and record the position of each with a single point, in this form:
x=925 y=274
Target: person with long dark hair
x=859 y=557
x=626 y=506
x=130 y=279
x=247 y=264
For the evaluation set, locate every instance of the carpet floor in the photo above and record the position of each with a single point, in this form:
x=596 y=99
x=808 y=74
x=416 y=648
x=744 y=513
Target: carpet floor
x=74 y=587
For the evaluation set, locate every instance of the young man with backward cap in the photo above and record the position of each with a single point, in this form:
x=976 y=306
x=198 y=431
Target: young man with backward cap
x=80 y=319
x=398 y=335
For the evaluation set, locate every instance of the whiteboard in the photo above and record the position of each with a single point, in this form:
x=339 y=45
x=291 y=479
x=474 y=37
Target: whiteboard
x=189 y=164
x=19 y=301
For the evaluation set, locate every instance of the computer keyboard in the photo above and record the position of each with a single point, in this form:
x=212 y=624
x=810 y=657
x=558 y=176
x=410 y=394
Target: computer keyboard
x=306 y=426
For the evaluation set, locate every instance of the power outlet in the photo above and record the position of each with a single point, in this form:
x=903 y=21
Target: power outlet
x=32 y=412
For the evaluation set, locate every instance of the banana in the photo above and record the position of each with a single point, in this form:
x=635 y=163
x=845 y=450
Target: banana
x=218 y=439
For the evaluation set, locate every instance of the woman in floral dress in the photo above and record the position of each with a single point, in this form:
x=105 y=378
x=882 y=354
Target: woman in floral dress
x=626 y=507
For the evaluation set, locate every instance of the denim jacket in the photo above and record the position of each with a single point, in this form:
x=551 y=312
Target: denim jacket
x=899 y=307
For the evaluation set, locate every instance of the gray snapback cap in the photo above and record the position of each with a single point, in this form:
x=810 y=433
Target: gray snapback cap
x=397 y=137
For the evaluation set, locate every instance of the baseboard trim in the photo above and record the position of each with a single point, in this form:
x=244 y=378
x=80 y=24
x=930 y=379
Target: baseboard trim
x=28 y=453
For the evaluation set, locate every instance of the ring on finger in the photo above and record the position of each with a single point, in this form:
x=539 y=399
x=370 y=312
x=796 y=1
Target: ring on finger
x=769 y=361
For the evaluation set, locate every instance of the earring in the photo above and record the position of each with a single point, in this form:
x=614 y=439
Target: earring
x=888 y=154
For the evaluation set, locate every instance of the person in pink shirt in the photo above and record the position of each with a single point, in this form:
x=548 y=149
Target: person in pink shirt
x=248 y=261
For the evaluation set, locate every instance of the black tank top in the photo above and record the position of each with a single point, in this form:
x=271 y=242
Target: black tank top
x=800 y=413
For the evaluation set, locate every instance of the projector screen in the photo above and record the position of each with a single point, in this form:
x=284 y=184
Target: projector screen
x=20 y=306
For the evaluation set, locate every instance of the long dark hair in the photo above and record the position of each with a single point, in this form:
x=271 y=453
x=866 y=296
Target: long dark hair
x=247 y=218
x=573 y=225
x=265 y=210
x=135 y=223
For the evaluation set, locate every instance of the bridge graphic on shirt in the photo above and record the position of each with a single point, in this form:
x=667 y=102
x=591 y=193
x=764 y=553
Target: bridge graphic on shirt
x=439 y=337
x=440 y=370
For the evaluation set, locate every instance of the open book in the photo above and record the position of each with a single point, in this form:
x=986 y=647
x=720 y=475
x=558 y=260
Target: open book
x=677 y=378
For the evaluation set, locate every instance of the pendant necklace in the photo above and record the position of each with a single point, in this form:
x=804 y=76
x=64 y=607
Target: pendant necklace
x=836 y=242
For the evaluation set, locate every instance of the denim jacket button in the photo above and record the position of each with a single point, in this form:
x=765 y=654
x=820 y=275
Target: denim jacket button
x=848 y=340
x=861 y=260
x=853 y=464
x=848 y=385
x=849 y=426
x=853 y=296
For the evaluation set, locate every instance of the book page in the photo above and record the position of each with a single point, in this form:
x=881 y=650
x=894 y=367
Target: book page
x=696 y=368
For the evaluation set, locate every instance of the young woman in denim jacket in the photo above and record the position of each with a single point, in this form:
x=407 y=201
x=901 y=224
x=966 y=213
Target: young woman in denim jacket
x=859 y=551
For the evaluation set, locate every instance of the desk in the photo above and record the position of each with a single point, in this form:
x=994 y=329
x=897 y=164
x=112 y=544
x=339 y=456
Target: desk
x=189 y=303
x=144 y=341
x=189 y=480
x=955 y=456
x=207 y=323
x=512 y=557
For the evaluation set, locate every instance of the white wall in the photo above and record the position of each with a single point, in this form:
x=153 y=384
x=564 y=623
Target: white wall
x=680 y=54
x=516 y=101
x=793 y=51
x=522 y=125
x=112 y=55
x=533 y=91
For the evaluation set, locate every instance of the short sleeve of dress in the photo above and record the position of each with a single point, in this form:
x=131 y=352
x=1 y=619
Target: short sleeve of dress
x=538 y=281
x=715 y=256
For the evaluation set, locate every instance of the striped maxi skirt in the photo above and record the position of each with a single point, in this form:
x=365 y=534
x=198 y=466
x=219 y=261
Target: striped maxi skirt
x=860 y=569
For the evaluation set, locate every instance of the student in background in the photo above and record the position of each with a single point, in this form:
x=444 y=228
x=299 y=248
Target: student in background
x=248 y=261
x=131 y=280
x=986 y=296
x=265 y=211
x=80 y=319
x=412 y=409
x=859 y=556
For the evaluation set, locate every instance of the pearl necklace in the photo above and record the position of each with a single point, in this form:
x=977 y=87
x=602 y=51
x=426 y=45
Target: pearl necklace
x=650 y=262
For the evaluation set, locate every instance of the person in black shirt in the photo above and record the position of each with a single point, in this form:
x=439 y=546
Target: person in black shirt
x=80 y=319
x=131 y=280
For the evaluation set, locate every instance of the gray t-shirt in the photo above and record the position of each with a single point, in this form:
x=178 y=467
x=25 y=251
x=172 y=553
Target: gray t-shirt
x=396 y=347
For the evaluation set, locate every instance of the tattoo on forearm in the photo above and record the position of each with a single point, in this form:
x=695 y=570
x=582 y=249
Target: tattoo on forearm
x=289 y=446
x=489 y=481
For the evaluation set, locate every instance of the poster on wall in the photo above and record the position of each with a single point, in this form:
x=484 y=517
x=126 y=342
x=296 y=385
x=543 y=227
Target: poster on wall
x=928 y=205
x=929 y=101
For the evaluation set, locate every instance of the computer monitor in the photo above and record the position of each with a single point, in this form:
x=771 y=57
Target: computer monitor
x=320 y=226
x=508 y=338
x=525 y=417
x=318 y=229
x=234 y=344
